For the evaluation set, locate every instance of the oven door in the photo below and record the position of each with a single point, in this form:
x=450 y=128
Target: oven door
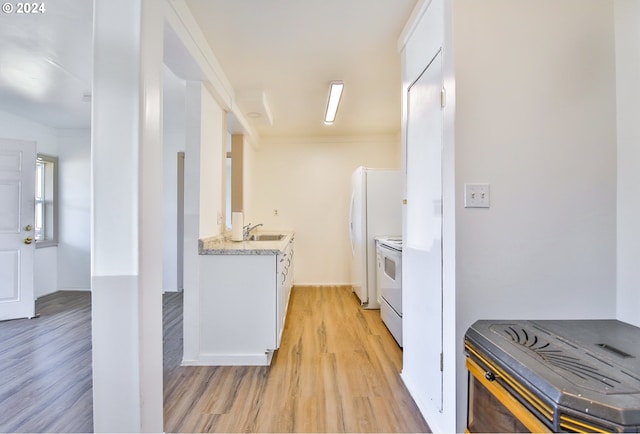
x=390 y=275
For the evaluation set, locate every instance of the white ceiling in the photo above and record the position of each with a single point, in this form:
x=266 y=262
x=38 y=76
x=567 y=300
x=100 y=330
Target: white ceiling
x=286 y=50
x=45 y=64
x=292 y=49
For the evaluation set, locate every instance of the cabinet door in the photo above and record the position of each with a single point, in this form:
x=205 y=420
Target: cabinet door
x=285 y=282
x=422 y=253
x=280 y=296
x=289 y=277
x=281 y=291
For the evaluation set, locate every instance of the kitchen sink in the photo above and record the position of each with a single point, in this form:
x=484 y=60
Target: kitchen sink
x=266 y=237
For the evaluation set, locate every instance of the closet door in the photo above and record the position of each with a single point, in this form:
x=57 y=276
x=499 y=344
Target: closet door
x=422 y=253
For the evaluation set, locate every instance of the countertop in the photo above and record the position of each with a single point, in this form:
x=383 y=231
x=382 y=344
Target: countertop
x=222 y=245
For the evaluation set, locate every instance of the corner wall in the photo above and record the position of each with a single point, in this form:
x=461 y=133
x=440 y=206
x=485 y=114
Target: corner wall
x=628 y=110
x=535 y=118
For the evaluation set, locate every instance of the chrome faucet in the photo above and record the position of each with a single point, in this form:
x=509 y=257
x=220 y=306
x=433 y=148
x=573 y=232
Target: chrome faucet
x=247 y=229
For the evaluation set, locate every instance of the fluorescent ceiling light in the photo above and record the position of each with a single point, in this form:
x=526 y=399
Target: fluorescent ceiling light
x=334 y=99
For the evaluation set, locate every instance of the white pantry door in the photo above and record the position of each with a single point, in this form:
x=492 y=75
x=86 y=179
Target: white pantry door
x=422 y=252
x=17 y=198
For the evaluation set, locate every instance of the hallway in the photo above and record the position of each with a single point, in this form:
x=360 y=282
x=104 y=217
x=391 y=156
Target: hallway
x=336 y=371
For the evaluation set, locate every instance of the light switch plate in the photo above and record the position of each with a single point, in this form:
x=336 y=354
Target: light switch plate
x=476 y=195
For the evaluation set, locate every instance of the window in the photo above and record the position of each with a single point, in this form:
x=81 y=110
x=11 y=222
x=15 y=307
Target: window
x=46 y=209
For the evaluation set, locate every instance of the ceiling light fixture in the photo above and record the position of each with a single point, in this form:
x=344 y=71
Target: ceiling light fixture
x=334 y=99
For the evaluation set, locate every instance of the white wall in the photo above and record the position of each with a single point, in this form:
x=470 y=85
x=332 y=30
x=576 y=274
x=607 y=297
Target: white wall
x=16 y=127
x=205 y=145
x=126 y=216
x=45 y=259
x=309 y=183
x=628 y=110
x=74 y=213
x=535 y=118
x=173 y=141
x=213 y=140
x=191 y=311
x=67 y=266
x=249 y=156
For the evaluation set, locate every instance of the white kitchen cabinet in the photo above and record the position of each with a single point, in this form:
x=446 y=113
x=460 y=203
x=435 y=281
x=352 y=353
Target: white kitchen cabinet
x=285 y=283
x=244 y=296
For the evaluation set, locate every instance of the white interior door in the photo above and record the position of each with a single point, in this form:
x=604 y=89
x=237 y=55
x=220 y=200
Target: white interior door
x=17 y=197
x=422 y=253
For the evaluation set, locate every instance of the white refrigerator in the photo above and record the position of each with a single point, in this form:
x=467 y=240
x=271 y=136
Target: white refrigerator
x=376 y=210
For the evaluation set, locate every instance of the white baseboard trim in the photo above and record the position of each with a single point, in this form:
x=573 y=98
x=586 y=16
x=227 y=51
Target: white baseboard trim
x=37 y=296
x=263 y=359
x=322 y=284
x=426 y=411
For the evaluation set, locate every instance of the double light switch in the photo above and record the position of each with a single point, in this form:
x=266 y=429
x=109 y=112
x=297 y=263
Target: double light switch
x=476 y=195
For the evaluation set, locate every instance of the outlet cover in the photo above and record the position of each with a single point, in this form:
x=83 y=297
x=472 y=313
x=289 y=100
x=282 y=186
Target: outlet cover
x=476 y=195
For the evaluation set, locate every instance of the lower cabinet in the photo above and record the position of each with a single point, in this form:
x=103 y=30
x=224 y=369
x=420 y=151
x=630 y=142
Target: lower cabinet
x=285 y=283
x=243 y=306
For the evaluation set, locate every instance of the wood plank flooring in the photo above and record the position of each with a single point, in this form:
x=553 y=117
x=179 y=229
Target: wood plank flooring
x=45 y=367
x=337 y=370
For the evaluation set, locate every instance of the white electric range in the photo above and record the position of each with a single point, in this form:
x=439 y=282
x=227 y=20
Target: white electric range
x=389 y=283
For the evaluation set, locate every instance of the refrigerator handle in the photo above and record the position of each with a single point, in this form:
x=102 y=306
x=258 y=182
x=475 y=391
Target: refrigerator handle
x=353 y=245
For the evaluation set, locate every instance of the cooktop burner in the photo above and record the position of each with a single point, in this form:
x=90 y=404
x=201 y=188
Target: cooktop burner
x=588 y=366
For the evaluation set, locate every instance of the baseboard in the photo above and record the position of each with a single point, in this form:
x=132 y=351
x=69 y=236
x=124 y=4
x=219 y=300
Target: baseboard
x=263 y=359
x=320 y=285
x=38 y=296
x=426 y=411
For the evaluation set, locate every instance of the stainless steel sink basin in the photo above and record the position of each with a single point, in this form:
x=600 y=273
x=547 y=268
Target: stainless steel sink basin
x=266 y=237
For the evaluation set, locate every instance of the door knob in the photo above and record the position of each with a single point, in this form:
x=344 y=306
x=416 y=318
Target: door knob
x=28 y=240
x=28 y=228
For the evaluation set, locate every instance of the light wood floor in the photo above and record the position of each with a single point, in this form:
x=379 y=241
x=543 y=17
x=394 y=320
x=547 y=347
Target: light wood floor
x=337 y=370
